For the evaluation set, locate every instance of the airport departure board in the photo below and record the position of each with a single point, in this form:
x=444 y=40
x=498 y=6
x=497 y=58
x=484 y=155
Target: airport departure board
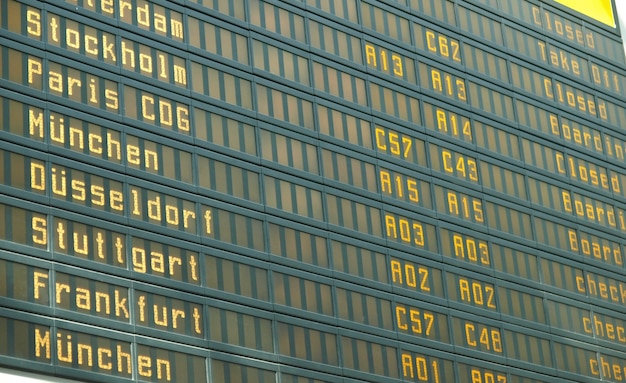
x=313 y=191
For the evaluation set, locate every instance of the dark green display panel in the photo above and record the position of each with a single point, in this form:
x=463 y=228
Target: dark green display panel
x=312 y=191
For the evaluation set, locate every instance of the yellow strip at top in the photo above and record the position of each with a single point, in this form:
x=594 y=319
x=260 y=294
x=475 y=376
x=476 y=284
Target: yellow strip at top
x=601 y=10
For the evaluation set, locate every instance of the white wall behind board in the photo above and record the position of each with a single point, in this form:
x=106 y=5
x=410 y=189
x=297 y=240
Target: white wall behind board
x=621 y=13
x=11 y=376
